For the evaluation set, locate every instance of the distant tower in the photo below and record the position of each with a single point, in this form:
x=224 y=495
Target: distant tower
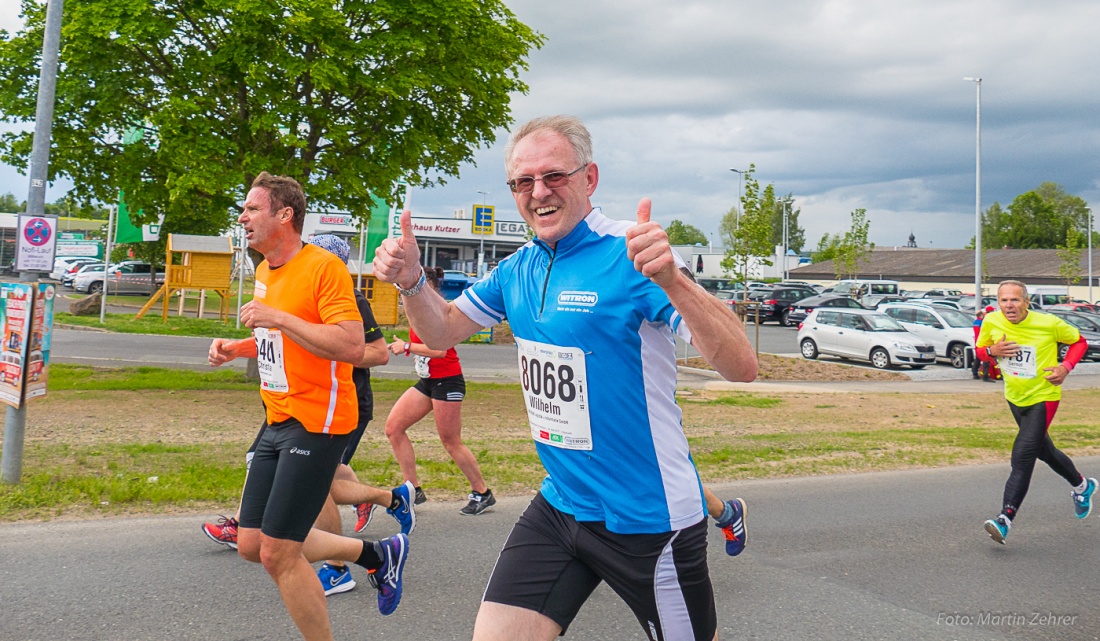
x=912 y=240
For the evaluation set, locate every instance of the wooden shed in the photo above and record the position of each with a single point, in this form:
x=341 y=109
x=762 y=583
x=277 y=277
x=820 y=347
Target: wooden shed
x=203 y=263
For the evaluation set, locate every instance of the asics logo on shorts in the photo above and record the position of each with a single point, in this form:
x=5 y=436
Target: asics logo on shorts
x=295 y=450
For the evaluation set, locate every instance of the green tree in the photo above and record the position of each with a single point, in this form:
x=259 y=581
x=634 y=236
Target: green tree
x=796 y=236
x=9 y=204
x=1069 y=269
x=826 y=248
x=347 y=96
x=680 y=233
x=853 y=246
x=1037 y=219
x=748 y=237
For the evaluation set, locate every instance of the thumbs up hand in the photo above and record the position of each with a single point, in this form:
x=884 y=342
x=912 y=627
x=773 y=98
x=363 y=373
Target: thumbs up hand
x=647 y=245
x=397 y=260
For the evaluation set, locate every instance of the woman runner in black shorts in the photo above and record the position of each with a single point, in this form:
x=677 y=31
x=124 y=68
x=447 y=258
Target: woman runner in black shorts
x=440 y=390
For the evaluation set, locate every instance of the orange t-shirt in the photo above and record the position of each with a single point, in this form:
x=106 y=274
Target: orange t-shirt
x=315 y=287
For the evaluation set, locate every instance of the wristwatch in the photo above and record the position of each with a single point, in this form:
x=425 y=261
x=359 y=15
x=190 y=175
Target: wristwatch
x=415 y=289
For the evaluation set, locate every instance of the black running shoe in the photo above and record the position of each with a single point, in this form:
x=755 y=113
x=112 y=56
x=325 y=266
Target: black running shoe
x=479 y=503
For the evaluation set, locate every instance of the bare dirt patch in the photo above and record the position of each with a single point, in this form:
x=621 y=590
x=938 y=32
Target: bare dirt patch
x=784 y=368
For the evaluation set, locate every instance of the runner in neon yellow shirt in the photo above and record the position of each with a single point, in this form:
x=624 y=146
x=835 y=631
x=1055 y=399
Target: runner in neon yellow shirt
x=1025 y=344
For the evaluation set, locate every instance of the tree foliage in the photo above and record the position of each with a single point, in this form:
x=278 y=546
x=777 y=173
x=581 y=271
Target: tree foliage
x=1038 y=219
x=796 y=236
x=680 y=233
x=826 y=247
x=853 y=246
x=347 y=96
x=748 y=237
x=1069 y=269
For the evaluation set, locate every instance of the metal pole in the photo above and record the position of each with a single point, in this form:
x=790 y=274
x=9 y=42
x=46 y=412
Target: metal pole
x=240 y=276
x=112 y=224
x=11 y=462
x=1089 y=211
x=481 y=247
x=978 y=195
x=362 y=252
x=786 y=210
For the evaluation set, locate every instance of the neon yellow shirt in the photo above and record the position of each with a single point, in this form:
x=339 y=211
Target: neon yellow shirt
x=1038 y=336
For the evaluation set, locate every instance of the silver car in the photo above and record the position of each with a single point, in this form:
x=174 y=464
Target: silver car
x=864 y=335
x=127 y=277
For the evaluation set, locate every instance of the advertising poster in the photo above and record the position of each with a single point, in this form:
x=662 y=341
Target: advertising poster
x=15 y=319
x=38 y=358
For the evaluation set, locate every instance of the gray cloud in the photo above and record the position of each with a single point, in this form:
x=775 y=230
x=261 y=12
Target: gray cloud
x=845 y=104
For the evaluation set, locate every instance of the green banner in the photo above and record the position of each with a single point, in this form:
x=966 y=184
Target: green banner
x=127 y=232
x=378 y=228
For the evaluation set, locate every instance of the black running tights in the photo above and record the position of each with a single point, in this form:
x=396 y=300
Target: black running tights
x=1033 y=442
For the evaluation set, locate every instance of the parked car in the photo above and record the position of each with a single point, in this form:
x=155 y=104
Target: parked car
x=70 y=276
x=863 y=334
x=871 y=301
x=944 y=302
x=1075 y=307
x=941 y=293
x=801 y=309
x=1088 y=325
x=730 y=298
x=910 y=294
x=775 y=303
x=949 y=330
x=713 y=285
x=966 y=303
x=127 y=277
x=67 y=264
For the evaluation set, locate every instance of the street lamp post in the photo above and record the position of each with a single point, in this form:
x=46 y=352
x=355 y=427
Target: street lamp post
x=978 y=196
x=1089 y=211
x=740 y=179
x=481 y=246
x=786 y=234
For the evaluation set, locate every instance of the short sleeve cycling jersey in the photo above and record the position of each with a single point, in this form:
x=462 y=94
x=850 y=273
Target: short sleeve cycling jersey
x=315 y=287
x=598 y=368
x=1038 y=336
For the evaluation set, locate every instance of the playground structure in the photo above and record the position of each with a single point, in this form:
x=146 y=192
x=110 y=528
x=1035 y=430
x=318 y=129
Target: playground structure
x=203 y=263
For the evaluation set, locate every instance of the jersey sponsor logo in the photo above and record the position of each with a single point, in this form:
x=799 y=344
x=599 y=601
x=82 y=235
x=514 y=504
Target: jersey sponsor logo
x=580 y=299
x=295 y=450
x=260 y=291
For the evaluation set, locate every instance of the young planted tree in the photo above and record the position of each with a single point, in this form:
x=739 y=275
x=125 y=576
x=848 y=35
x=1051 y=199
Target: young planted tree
x=748 y=237
x=853 y=246
x=1069 y=269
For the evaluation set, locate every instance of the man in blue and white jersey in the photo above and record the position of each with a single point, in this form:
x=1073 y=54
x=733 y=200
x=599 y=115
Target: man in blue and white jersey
x=595 y=305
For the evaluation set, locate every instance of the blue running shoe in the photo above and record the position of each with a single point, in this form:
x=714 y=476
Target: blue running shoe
x=1082 y=503
x=335 y=579
x=998 y=529
x=387 y=579
x=737 y=535
x=404 y=513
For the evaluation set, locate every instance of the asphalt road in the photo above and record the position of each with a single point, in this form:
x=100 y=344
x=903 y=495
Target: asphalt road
x=885 y=556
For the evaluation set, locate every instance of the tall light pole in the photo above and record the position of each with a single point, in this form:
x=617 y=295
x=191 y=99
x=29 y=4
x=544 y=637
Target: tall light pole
x=786 y=236
x=978 y=198
x=481 y=247
x=740 y=179
x=1089 y=212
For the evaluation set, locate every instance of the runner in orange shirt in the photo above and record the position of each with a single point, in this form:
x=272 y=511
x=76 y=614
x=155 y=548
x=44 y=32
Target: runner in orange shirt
x=307 y=333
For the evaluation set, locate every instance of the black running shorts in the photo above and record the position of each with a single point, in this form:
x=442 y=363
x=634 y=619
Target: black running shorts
x=289 y=478
x=552 y=563
x=448 y=388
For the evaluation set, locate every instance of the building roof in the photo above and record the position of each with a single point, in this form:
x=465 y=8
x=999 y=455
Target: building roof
x=1033 y=266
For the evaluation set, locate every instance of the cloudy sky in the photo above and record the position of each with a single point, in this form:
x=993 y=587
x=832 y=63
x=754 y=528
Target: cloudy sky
x=844 y=104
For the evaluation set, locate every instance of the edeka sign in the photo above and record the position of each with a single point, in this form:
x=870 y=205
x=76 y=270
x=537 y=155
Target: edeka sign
x=511 y=228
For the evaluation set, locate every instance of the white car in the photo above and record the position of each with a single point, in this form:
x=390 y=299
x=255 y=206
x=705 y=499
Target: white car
x=862 y=334
x=949 y=330
x=64 y=265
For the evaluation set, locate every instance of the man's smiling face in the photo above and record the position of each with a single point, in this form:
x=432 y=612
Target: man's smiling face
x=552 y=213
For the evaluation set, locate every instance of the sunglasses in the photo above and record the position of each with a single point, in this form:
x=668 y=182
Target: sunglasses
x=552 y=180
